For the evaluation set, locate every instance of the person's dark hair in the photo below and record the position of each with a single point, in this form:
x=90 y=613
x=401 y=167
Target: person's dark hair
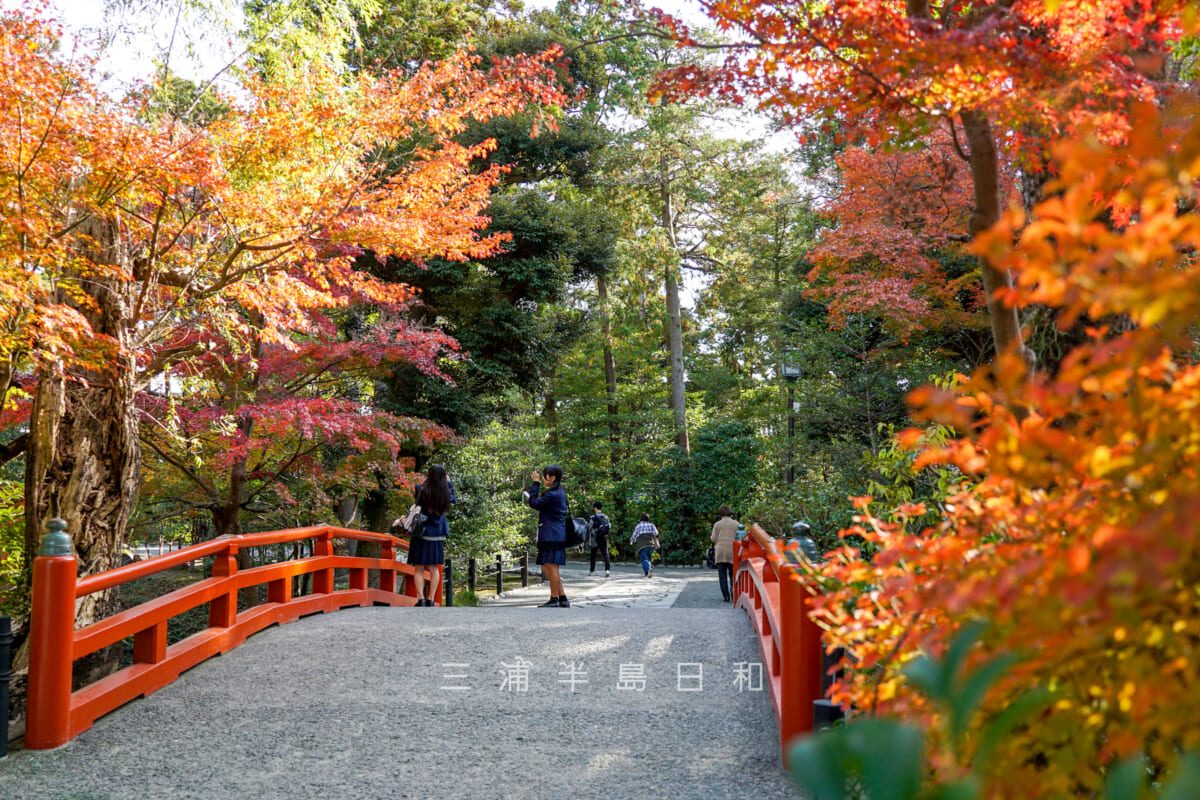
x=435 y=492
x=724 y=511
x=645 y=517
x=554 y=470
x=596 y=505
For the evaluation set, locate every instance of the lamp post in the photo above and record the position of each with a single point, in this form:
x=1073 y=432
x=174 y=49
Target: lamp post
x=791 y=373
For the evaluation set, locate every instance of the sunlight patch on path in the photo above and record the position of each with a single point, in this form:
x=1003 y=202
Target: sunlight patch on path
x=630 y=592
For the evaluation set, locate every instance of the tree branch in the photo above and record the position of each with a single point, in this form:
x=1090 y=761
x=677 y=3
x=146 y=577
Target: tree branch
x=958 y=148
x=184 y=468
x=16 y=447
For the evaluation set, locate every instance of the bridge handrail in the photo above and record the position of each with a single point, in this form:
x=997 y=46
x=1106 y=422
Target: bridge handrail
x=143 y=569
x=773 y=592
x=56 y=713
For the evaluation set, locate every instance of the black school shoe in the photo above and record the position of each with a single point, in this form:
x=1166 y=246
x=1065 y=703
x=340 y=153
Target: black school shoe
x=553 y=603
x=563 y=602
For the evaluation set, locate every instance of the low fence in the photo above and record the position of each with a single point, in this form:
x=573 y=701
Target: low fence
x=56 y=714
x=771 y=588
x=495 y=571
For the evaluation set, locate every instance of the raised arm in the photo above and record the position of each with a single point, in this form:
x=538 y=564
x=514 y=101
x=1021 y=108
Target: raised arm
x=535 y=501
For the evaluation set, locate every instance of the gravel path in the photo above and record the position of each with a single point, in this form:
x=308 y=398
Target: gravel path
x=631 y=693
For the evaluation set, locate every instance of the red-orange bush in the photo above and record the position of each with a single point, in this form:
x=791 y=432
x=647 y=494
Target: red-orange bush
x=1080 y=542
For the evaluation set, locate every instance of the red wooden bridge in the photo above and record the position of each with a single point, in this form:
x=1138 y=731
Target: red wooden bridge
x=57 y=714
x=770 y=588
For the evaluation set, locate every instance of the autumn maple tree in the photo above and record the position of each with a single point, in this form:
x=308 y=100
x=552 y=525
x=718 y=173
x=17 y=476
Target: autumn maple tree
x=257 y=426
x=124 y=239
x=1076 y=539
x=897 y=223
x=998 y=76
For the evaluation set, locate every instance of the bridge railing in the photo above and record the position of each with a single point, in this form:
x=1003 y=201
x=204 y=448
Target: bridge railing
x=772 y=589
x=56 y=714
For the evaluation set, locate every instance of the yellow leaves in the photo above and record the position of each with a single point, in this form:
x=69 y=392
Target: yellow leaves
x=1101 y=461
x=1154 y=312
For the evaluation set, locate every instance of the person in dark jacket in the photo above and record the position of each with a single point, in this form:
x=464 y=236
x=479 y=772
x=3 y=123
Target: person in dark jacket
x=546 y=495
x=434 y=496
x=600 y=527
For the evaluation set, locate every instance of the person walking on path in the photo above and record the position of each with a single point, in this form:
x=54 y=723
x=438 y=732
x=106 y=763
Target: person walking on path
x=645 y=542
x=434 y=496
x=724 y=531
x=546 y=495
x=599 y=526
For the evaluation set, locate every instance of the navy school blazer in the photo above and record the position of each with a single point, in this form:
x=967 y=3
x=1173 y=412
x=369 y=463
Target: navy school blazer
x=552 y=515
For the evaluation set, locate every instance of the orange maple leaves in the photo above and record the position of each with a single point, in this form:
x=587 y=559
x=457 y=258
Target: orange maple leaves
x=1079 y=542
x=263 y=209
x=871 y=61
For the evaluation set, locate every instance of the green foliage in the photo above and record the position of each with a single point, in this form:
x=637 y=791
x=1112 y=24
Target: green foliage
x=465 y=597
x=818 y=497
x=889 y=757
x=896 y=483
x=1129 y=780
x=12 y=547
x=888 y=760
x=184 y=100
x=489 y=474
x=284 y=35
x=884 y=757
x=406 y=33
x=722 y=469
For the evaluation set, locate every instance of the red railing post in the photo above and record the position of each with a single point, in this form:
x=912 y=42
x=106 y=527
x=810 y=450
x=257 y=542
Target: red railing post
x=739 y=585
x=800 y=680
x=279 y=591
x=323 y=578
x=150 y=645
x=387 y=577
x=52 y=640
x=222 y=610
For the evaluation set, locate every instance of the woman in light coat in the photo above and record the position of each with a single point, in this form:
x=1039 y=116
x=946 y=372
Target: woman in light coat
x=724 y=531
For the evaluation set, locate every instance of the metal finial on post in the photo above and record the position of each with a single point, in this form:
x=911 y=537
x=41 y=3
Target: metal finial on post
x=741 y=532
x=800 y=536
x=56 y=542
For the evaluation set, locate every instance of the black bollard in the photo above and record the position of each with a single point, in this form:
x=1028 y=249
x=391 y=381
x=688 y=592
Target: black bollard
x=826 y=713
x=471 y=575
x=448 y=584
x=525 y=570
x=499 y=574
x=5 y=677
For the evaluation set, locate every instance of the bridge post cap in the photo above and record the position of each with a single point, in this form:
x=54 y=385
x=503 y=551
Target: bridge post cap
x=806 y=546
x=741 y=532
x=56 y=542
